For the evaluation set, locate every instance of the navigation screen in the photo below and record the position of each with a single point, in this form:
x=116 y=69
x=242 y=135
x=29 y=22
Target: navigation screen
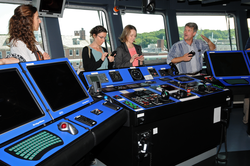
x=51 y=6
x=18 y=105
x=229 y=64
x=58 y=84
x=94 y=78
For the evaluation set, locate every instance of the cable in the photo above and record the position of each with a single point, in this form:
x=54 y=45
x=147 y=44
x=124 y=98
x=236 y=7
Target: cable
x=224 y=130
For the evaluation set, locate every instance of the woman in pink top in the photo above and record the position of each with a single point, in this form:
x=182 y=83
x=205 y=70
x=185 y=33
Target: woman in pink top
x=128 y=54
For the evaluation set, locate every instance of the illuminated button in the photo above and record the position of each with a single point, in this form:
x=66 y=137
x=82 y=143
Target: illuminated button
x=63 y=125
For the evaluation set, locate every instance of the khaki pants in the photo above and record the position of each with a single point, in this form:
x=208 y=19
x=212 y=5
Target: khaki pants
x=246 y=110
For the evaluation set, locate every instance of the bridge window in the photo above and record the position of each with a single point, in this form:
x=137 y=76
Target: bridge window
x=75 y=29
x=151 y=35
x=219 y=29
x=248 y=23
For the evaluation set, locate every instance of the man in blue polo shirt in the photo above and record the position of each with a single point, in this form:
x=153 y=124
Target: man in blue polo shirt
x=179 y=54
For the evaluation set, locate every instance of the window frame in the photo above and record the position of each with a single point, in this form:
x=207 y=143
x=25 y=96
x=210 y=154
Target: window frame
x=72 y=52
x=77 y=52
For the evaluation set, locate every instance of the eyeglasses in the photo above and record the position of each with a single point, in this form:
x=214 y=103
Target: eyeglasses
x=101 y=37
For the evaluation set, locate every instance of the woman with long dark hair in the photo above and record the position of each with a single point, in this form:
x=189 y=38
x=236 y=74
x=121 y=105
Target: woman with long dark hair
x=22 y=41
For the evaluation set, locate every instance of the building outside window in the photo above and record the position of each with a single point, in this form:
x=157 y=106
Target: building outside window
x=77 y=52
x=70 y=52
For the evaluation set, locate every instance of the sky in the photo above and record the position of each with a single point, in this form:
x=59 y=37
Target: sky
x=76 y=19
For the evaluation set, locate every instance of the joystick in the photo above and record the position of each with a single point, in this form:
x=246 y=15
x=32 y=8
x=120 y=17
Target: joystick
x=164 y=95
x=202 y=88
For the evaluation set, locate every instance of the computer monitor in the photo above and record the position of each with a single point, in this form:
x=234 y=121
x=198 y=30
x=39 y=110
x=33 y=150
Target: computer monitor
x=18 y=104
x=230 y=66
x=59 y=85
x=247 y=53
x=21 y=108
x=49 y=8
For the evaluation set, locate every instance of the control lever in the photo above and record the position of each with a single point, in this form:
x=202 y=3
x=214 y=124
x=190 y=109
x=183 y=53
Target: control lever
x=111 y=105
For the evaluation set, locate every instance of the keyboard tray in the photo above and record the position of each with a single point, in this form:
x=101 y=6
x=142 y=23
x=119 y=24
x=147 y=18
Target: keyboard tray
x=35 y=146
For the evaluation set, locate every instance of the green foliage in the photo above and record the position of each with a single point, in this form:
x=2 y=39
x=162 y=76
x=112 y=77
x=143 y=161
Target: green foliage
x=144 y=39
x=215 y=34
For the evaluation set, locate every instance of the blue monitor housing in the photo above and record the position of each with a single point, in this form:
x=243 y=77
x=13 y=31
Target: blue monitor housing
x=229 y=67
x=58 y=85
x=247 y=53
x=21 y=108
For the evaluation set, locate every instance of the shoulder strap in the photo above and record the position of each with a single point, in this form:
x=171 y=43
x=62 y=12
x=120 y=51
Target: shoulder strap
x=89 y=51
x=38 y=54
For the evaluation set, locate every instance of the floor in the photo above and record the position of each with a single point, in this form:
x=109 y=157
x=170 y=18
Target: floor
x=238 y=143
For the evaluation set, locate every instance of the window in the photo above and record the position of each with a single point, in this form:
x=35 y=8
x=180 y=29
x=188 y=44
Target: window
x=77 y=52
x=6 y=12
x=248 y=23
x=151 y=35
x=219 y=29
x=75 y=33
x=1 y=56
x=70 y=52
x=7 y=52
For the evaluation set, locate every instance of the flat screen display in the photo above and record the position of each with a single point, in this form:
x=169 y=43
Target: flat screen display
x=94 y=79
x=229 y=64
x=18 y=105
x=51 y=6
x=58 y=84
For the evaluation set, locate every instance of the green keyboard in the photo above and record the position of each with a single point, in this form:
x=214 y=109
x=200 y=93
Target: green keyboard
x=35 y=146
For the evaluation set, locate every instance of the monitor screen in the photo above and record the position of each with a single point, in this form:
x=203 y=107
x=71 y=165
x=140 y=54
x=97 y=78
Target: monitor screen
x=53 y=6
x=18 y=104
x=49 y=8
x=229 y=64
x=58 y=83
x=94 y=78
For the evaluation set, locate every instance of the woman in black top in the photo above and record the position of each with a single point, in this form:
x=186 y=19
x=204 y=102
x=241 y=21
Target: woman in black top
x=94 y=56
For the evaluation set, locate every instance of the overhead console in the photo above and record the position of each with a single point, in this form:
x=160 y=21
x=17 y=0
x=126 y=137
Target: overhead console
x=47 y=109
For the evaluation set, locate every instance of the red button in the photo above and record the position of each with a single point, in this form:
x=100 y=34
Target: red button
x=63 y=125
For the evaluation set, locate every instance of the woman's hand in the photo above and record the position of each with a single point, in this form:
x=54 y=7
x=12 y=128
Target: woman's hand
x=111 y=58
x=46 y=56
x=104 y=56
x=134 y=57
x=1 y=62
x=140 y=58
